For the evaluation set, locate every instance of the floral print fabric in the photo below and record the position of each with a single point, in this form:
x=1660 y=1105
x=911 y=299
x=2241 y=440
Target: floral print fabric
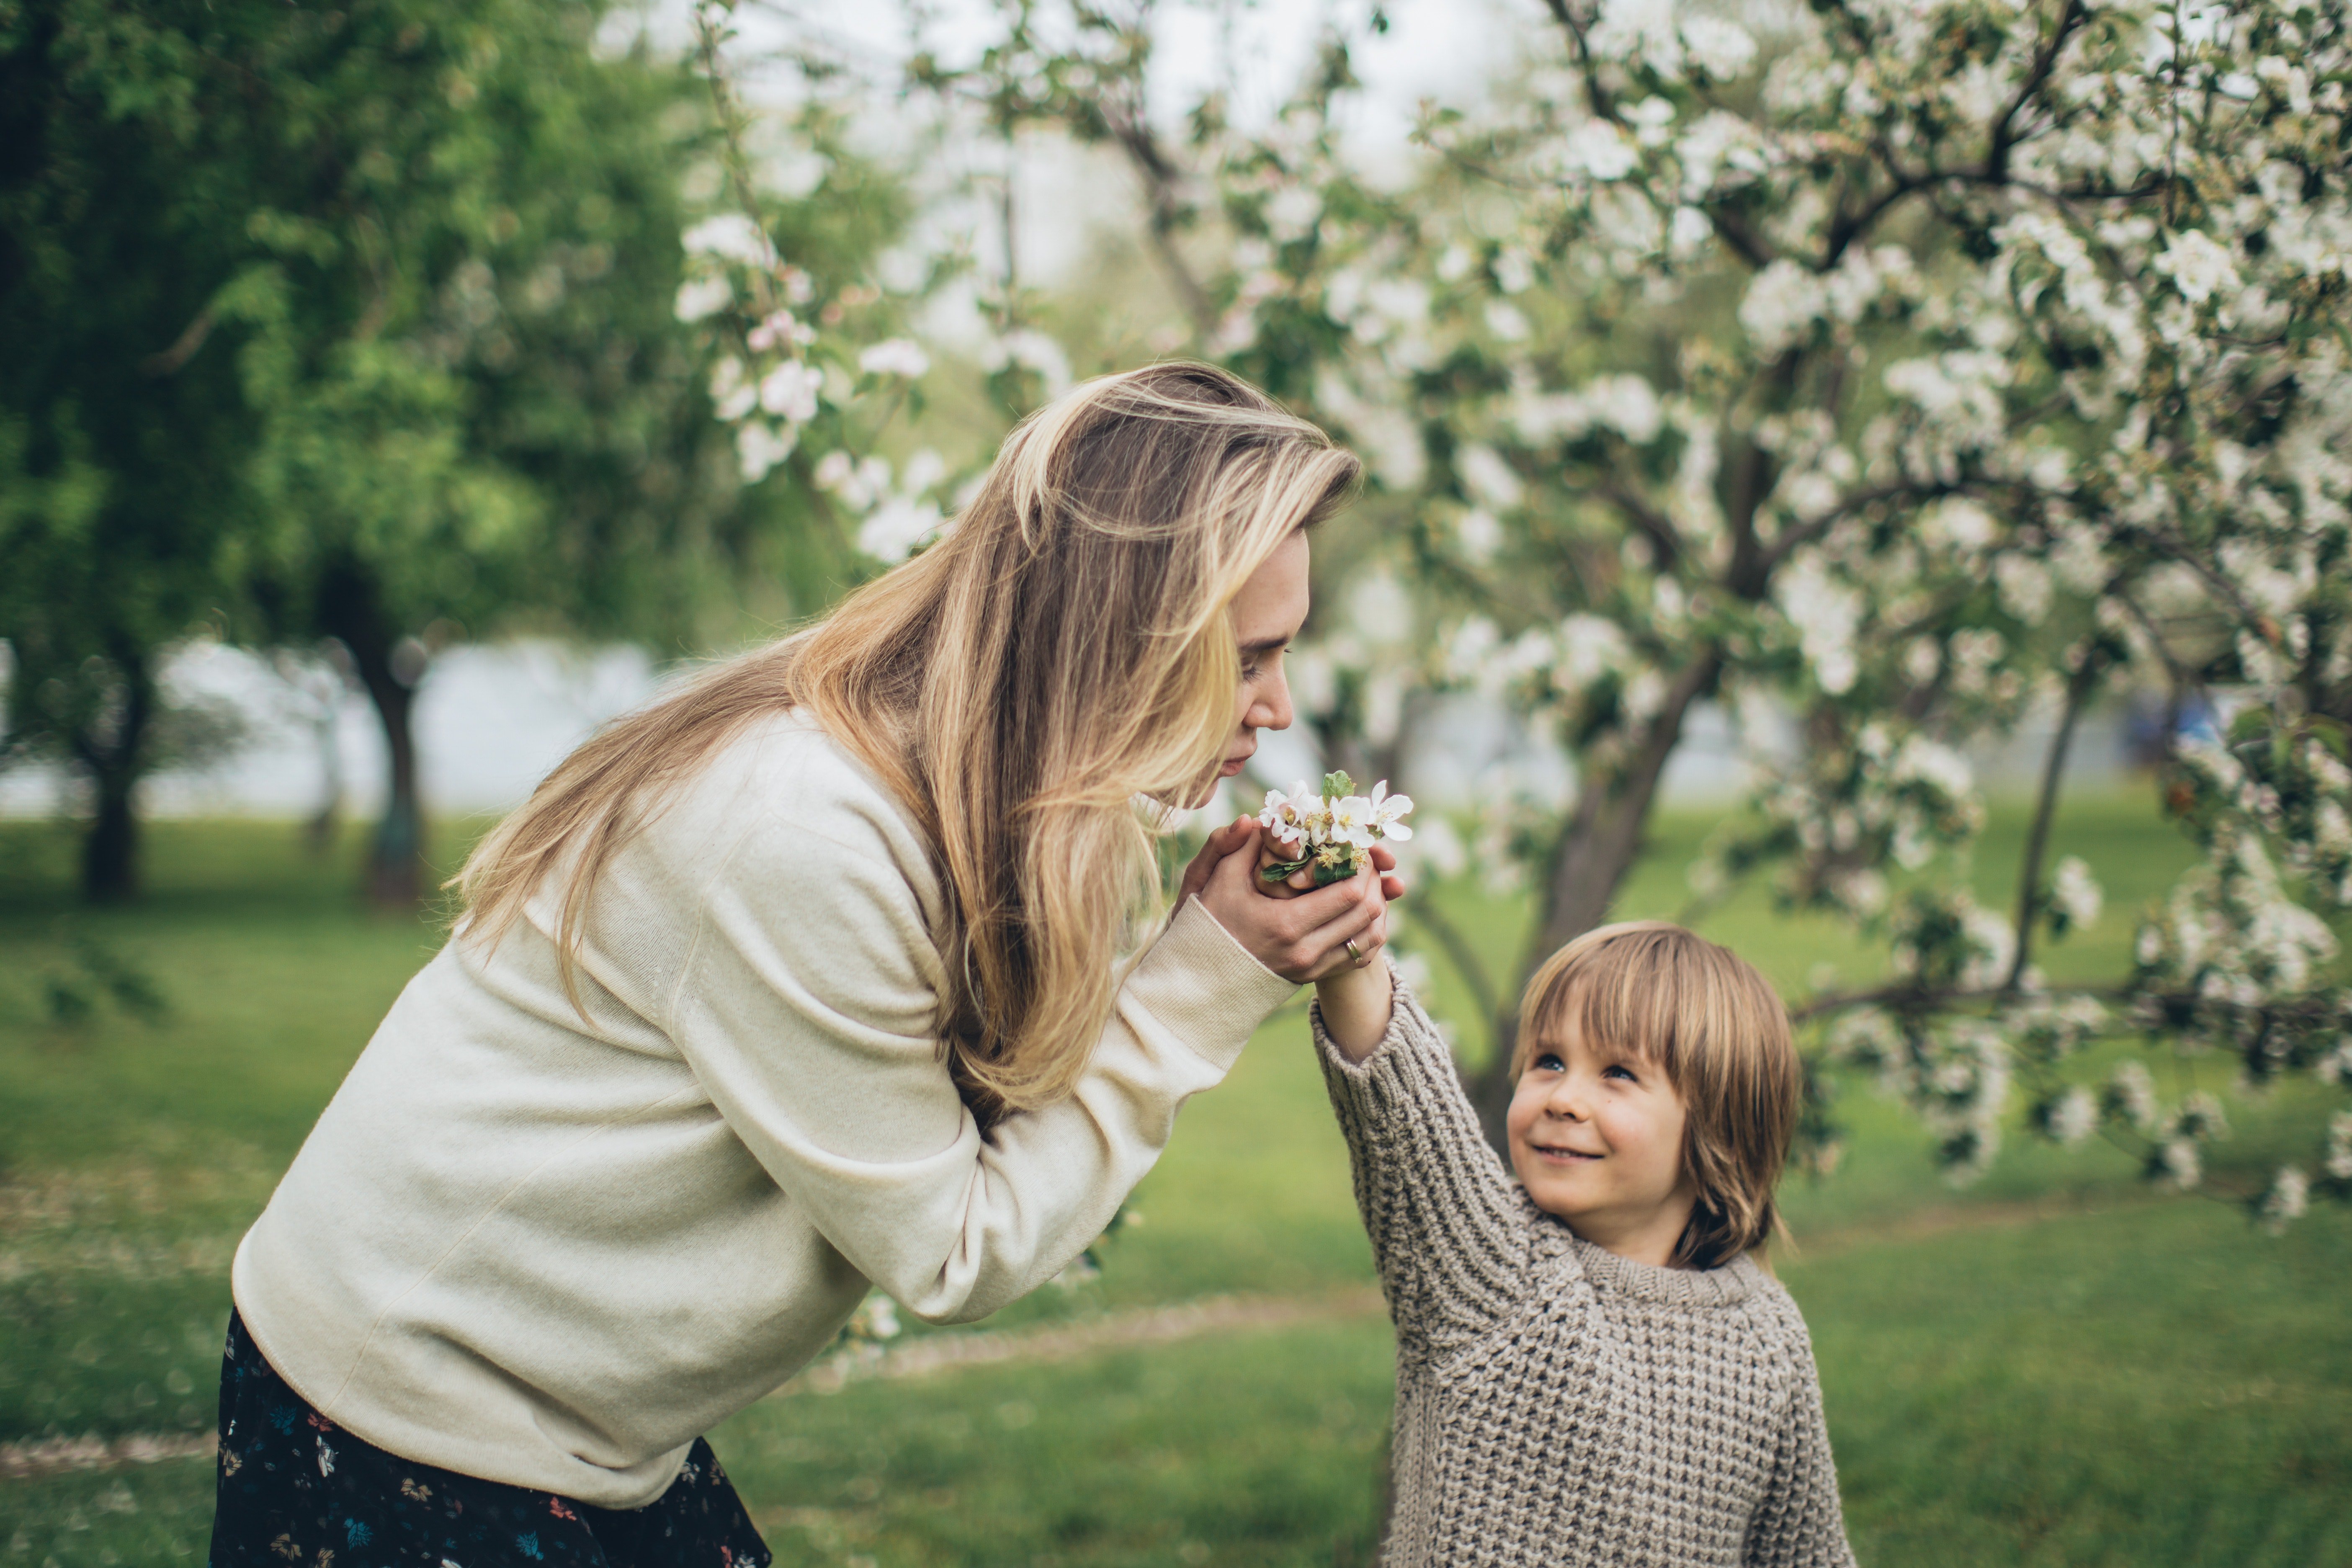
x=298 y=1491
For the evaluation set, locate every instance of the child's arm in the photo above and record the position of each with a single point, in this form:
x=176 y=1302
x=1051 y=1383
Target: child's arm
x=1798 y=1523
x=1445 y=1230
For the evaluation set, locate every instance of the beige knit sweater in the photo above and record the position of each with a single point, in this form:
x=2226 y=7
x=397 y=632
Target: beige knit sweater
x=1558 y=1403
x=551 y=1251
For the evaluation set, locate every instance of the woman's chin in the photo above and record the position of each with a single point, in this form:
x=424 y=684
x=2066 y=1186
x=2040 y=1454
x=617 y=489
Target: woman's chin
x=1198 y=793
x=1202 y=790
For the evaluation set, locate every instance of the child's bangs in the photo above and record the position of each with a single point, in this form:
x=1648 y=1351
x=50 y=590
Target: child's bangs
x=1628 y=990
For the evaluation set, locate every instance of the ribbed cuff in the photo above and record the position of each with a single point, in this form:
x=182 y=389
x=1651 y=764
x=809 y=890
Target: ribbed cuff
x=1205 y=985
x=1411 y=1031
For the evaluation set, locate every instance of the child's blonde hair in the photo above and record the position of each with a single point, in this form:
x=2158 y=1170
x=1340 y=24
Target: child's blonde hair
x=1719 y=1033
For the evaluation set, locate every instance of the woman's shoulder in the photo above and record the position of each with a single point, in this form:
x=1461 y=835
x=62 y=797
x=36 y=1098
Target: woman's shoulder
x=785 y=790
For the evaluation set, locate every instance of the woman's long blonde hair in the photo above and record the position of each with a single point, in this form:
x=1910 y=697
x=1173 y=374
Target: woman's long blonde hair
x=1067 y=647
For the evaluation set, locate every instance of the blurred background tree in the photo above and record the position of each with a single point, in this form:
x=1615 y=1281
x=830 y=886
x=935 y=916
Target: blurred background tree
x=358 y=324
x=120 y=444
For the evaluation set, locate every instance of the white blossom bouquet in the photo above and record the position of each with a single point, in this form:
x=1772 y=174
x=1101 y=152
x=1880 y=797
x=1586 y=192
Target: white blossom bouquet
x=1332 y=832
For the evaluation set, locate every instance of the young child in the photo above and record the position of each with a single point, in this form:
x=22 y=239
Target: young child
x=1591 y=1367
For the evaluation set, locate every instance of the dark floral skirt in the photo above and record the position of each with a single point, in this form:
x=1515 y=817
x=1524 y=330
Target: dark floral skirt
x=298 y=1491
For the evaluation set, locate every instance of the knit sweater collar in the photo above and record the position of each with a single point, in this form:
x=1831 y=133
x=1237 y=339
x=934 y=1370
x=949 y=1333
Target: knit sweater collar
x=1613 y=1275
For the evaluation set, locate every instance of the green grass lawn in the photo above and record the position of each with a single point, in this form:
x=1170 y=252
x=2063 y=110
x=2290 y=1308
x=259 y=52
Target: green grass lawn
x=2053 y=1366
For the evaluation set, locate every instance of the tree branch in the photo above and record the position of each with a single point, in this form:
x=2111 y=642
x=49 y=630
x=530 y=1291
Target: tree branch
x=1913 y=998
x=1462 y=955
x=1160 y=178
x=2037 y=841
x=2176 y=672
x=2198 y=563
x=183 y=347
x=2004 y=136
x=1743 y=241
x=1605 y=102
x=1744 y=485
x=1805 y=534
x=1651 y=523
x=1851 y=229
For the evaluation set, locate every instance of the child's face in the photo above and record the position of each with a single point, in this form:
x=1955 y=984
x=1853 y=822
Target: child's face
x=1596 y=1136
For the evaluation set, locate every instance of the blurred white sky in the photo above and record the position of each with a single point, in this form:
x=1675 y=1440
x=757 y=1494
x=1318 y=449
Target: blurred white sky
x=491 y=721
x=1254 y=52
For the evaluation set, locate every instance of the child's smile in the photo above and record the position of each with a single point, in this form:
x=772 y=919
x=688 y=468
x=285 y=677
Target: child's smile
x=1596 y=1136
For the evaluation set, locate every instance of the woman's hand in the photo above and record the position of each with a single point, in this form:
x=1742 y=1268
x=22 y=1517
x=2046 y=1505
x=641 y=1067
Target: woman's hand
x=1305 y=938
x=1235 y=836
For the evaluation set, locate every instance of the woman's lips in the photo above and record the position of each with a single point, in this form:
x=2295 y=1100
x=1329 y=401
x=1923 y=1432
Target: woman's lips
x=1232 y=767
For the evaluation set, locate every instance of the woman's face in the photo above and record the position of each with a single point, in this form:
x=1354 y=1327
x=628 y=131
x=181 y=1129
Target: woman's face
x=1267 y=614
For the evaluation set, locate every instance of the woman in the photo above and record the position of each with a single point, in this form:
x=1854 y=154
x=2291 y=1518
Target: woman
x=804 y=980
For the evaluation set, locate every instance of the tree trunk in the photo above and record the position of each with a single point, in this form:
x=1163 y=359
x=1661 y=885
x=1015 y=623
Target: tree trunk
x=319 y=828
x=1589 y=863
x=109 y=851
x=114 y=755
x=350 y=610
x=396 y=874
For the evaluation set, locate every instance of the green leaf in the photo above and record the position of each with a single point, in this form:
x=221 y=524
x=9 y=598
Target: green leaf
x=1335 y=784
x=1327 y=874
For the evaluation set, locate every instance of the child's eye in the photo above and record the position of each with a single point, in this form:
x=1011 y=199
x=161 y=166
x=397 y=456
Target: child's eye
x=1547 y=1061
x=1618 y=1069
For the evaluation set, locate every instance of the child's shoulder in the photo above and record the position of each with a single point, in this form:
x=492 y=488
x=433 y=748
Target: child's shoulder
x=1778 y=1323
x=1771 y=1297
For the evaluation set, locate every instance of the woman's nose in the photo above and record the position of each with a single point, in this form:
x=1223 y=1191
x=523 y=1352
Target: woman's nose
x=1272 y=711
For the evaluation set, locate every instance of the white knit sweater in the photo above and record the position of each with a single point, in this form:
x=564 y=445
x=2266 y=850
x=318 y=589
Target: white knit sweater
x=551 y=1252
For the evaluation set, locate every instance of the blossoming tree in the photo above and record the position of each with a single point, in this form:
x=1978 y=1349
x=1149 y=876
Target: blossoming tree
x=808 y=365
x=1909 y=366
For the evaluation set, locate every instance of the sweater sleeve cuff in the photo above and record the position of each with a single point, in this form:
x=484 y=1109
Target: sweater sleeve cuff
x=1411 y=1031
x=1204 y=987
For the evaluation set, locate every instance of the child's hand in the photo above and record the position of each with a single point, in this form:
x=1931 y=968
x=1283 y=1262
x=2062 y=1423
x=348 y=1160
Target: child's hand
x=1302 y=880
x=1273 y=853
